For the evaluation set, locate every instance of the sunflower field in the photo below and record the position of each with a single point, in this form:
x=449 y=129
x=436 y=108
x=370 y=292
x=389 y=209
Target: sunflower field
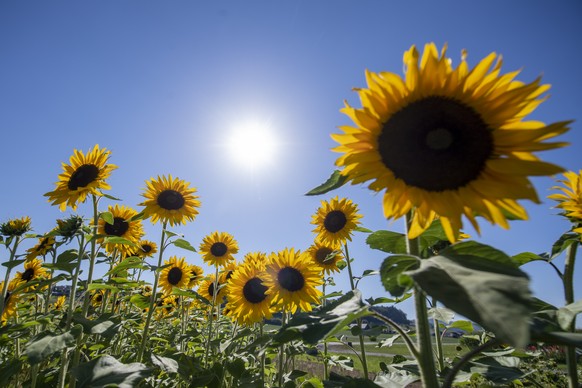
x=443 y=144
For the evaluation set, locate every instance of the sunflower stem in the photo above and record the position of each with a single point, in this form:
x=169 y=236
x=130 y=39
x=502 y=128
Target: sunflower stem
x=423 y=338
x=153 y=296
x=92 y=255
x=568 y=281
x=7 y=276
x=438 y=340
x=325 y=367
x=281 y=352
x=214 y=293
x=358 y=321
x=262 y=324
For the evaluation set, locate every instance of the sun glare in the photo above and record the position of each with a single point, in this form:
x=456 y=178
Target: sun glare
x=252 y=145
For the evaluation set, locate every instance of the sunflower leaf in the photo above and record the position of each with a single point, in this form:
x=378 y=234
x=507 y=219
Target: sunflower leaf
x=13 y=263
x=526 y=257
x=107 y=371
x=362 y=229
x=42 y=346
x=140 y=301
x=392 y=273
x=101 y=286
x=111 y=197
x=107 y=217
x=181 y=243
x=137 y=217
x=484 y=285
x=118 y=240
x=335 y=181
x=563 y=243
x=386 y=241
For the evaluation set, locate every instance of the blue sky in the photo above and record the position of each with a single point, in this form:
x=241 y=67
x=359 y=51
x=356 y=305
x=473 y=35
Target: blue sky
x=163 y=84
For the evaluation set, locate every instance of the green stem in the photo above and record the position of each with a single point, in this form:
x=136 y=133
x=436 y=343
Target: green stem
x=281 y=352
x=153 y=297
x=210 y=319
x=262 y=356
x=358 y=321
x=7 y=276
x=93 y=254
x=438 y=339
x=423 y=338
x=450 y=378
x=568 y=280
x=325 y=367
x=403 y=334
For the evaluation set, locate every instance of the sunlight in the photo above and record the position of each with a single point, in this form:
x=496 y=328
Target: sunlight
x=252 y=145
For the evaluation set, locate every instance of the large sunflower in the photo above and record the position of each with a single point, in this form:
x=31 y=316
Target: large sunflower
x=325 y=256
x=217 y=248
x=170 y=200
x=15 y=227
x=122 y=227
x=447 y=141
x=176 y=274
x=249 y=299
x=85 y=174
x=44 y=245
x=336 y=220
x=570 y=200
x=293 y=280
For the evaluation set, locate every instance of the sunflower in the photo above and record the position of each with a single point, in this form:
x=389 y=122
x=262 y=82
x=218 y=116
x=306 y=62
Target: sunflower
x=293 y=280
x=335 y=220
x=325 y=256
x=84 y=175
x=217 y=248
x=166 y=306
x=447 y=141
x=59 y=304
x=170 y=200
x=44 y=245
x=256 y=259
x=197 y=273
x=33 y=270
x=176 y=274
x=145 y=248
x=10 y=302
x=227 y=271
x=97 y=297
x=249 y=299
x=207 y=289
x=570 y=200
x=122 y=227
x=69 y=227
x=15 y=227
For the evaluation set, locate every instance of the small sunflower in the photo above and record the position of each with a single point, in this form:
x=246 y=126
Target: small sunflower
x=44 y=245
x=570 y=200
x=197 y=273
x=97 y=297
x=15 y=227
x=59 y=304
x=256 y=259
x=325 y=256
x=10 y=302
x=122 y=227
x=336 y=220
x=217 y=248
x=69 y=227
x=448 y=141
x=293 y=280
x=208 y=290
x=85 y=174
x=166 y=306
x=249 y=299
x=145 y=248
x=170 y=200
x=176 y=274
x=33 y=270
x=227 y=271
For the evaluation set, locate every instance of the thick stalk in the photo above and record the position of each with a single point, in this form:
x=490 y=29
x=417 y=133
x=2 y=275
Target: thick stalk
x=7 y=276
x=93 y=254
x=568 y=280
x=438 y=339
x=358 y=321
x=146 y=328
x=423 y=338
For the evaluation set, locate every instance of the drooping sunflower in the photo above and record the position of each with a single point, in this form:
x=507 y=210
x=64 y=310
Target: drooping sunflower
x=10 y=301
x=44 y=245
x=448 y=141
x=69 y=227
x=33 y=270
x=218 y=248
x=249 y=299
x=197 y=273
x=176 y=274
x=293 y=280
x=145 y=248
x=336 y=220
x=256 y=259
x=570 y=198
x=15 y=227
x=325 y=256
x=170 y=200
x=85 y=174
x=208 y=289
x=123 y=227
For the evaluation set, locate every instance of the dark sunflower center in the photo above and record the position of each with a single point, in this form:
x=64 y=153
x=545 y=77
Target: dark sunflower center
x=322 y=255
x=254 y=291
x=218 y=249
x=146 y=248
x=28 y=274
x=291 y=279
x=229 y=275
x=436 y=144
x=82 y=176
x=118 y=228
x=171 y=200
x=174 y=276
x=335 y=221
x=98 y=298
x=211 y=289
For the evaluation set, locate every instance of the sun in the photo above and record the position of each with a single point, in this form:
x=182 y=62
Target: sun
x=252 y=145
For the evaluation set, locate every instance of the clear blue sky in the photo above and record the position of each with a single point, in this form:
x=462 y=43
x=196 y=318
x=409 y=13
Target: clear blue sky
x=162 y=84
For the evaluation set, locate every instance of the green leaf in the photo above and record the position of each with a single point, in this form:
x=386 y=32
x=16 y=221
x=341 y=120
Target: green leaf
x=181 y=243
x=118 y=240
x=441 y=314
x=388 y=341
x=13 y=263
x=335 y=181
x=9 y=368
x=566 y=314
x=107 y=217
x=128 y=263
x=106 y=370
x=386 y=241
x=236 y=367
x=466 y=326
x=362 y=229
x=526 y=257
x=500 y=370
x=190 y=294
x=563 y=243
x=137 y=217
x=170 y=234
x=392 y=273
x=140 y=301
x=482 y=284
x=111 y=197
x=101 y=286
x=168 y=365
x=46 y=344
x=105 y=325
